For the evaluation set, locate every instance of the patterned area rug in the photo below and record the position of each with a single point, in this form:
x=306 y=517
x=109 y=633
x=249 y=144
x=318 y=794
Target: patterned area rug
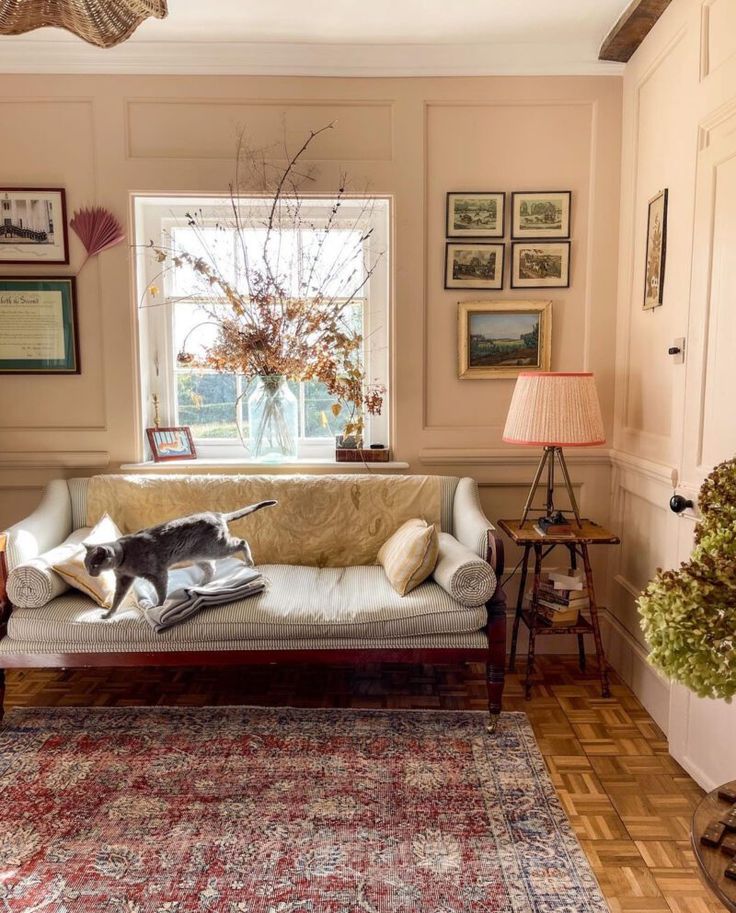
x=249 y=810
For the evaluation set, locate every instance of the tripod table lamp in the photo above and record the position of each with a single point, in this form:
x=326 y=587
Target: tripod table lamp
x=552 y=410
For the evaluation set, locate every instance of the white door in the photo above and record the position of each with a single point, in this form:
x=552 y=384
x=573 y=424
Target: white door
x=702 y=733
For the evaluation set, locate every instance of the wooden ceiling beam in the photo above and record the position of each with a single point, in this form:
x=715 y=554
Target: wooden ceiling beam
x=631 y=29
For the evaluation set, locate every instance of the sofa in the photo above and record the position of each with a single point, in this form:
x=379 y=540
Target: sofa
x=327 y=600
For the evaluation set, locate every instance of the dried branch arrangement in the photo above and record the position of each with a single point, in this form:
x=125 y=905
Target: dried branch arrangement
x=289 y=309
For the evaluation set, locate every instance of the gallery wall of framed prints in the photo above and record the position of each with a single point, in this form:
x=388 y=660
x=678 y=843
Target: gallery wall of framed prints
x=540 y=239
x=498 y=339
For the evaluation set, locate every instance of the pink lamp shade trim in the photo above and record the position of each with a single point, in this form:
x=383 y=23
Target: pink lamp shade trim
x=555 y=374
x=555 y=409
x=510 y=440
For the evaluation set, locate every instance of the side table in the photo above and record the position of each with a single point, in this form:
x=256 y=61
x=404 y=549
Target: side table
x=541 y=545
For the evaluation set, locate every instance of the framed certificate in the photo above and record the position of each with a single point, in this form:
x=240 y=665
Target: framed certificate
x=38 y=326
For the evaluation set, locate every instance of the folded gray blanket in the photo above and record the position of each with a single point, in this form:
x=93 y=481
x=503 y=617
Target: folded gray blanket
x=187 y=594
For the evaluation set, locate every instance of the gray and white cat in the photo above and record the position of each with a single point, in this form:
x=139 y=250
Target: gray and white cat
x=197 y=539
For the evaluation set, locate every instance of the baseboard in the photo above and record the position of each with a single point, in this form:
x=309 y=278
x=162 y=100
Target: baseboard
x=629 y=658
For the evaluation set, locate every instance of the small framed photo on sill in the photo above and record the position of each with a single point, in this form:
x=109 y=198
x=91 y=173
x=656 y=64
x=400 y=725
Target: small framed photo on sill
x=171 y=444
x=474 y=264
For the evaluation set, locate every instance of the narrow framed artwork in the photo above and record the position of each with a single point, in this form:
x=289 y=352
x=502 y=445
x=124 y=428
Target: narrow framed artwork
x=656 y=250
x=173 y=443
x=540 y=264
x=541 y=214
x=38 y=325
x=499 y=339
x=33 y=225
x=475 y=215
x=474 y=264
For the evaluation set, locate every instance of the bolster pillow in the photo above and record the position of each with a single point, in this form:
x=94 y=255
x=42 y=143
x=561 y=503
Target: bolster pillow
x=35 y=582
x=461 y=573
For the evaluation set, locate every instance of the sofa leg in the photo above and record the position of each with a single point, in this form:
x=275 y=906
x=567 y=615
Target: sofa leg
x=2 y=695
x=496 y=662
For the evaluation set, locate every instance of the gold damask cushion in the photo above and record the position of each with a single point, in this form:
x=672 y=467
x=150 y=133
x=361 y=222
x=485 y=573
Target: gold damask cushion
x=73 y=570
x=320 y=521
x=409 y=556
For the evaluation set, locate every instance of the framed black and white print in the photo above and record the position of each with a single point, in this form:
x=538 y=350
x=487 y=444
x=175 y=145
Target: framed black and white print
x=541 y=214
x=475 y=215
x=33 y=226
x=474 y=264
x=656 y=250
x=540 y=264
x=38 y=326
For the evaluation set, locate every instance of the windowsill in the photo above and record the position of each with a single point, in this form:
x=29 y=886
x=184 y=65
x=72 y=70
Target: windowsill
x=225 y=463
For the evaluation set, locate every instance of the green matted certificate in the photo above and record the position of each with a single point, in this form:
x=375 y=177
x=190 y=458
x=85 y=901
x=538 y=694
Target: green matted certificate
x=38 y=326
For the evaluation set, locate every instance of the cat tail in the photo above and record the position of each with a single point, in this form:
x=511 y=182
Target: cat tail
x=251 y=509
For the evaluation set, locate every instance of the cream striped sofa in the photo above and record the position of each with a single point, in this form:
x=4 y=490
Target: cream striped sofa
x=326 y=599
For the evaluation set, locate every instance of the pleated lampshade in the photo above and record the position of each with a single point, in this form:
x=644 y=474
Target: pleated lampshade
x=555 y=409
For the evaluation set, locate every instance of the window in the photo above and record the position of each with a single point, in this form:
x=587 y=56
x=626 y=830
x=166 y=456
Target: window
x=174 y=316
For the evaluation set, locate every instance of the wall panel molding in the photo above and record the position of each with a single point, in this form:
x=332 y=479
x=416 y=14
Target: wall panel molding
x=711 y=20
x=53 y=459
x=582 y=243
x=365 y=134
x=633 y=297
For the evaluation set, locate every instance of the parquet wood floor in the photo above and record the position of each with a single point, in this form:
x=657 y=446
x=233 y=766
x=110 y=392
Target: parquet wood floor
x=628 y=801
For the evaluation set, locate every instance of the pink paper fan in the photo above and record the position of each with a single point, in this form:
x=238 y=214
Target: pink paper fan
x=97 y=229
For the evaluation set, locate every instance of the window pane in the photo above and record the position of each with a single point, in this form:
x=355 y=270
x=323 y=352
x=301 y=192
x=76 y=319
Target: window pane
x=206 y=402
x=194 y=327
x=319 y=422
x=214 y=246
x=339 y=270
x=281 y=255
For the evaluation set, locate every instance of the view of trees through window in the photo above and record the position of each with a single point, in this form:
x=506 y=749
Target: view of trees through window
x=214 y=404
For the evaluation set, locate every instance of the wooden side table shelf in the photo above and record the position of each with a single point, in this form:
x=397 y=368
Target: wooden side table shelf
x=533 y=542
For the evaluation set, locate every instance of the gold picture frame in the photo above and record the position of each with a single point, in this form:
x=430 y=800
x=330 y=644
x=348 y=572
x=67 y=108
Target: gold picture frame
x=500 y=339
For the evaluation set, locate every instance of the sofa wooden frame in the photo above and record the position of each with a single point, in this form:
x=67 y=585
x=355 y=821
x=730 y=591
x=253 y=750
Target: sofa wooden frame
x=494 y=655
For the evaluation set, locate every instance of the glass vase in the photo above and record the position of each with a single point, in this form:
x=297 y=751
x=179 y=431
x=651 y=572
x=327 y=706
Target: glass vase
x=273 y=417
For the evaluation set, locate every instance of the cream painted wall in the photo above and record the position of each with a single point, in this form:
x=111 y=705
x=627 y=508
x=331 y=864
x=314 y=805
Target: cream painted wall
x=679 y=132
x=105 y=137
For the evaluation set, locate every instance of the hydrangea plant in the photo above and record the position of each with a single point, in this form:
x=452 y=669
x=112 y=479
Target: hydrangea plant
x=689 y=615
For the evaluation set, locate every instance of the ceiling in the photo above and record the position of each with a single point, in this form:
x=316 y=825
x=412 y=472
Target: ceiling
x=341 y=37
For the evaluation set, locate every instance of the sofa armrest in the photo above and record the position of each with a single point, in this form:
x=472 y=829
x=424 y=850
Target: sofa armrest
x=473 y=528
x=48 y=526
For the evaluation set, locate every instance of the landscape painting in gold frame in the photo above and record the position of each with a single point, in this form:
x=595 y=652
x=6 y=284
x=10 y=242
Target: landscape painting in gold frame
x=502 y=338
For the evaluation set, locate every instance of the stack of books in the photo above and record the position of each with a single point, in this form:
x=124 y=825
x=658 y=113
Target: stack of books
x=560 y=597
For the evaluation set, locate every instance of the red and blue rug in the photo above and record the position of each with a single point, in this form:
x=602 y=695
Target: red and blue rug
x=254 y=810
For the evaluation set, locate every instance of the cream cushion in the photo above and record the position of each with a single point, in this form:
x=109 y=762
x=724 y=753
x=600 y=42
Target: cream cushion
x=299 y=605
x=409 y=556
x=72 y=569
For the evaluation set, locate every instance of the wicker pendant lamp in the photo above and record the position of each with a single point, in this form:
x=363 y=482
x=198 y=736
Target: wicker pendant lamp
x=104 y=23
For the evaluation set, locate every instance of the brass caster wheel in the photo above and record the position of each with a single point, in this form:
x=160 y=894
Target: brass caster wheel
x=492 y=724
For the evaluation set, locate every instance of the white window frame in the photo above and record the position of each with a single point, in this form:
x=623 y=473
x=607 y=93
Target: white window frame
x=157 y=359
